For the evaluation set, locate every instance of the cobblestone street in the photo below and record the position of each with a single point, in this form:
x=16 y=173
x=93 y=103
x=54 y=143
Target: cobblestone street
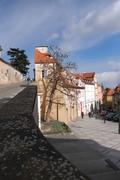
x=105 y=134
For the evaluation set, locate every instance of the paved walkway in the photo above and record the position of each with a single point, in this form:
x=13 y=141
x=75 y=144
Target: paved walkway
x=105 y=134
x=94 y=147
x=8 y=91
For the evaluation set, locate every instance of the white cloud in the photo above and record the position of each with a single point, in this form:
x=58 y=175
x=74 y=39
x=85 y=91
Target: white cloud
x=74 y=24
x=115 y=65
x=95 y=25
x=53 y=36
x=109 y=78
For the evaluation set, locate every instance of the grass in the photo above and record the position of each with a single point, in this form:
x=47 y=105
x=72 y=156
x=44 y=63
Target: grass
x=55 y=127
x=60 y=127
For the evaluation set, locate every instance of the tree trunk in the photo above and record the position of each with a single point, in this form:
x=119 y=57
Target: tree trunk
x=50 y=100
x=43 y=106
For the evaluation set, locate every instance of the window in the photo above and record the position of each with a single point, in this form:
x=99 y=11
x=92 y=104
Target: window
x=44 y=73
x=7 y=72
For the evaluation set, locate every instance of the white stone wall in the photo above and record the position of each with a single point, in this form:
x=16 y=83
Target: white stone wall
x=40 y=67
x=89 y=96
x=8 y=74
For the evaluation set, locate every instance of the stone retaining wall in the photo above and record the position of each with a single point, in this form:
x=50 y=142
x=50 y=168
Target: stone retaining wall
x=25 y=154
x=8 y=74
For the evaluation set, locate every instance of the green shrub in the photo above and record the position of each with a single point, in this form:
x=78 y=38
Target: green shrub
x=60 y=127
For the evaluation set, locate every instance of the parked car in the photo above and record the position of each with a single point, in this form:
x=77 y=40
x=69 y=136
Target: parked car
x=116 y=118
x=109 y=116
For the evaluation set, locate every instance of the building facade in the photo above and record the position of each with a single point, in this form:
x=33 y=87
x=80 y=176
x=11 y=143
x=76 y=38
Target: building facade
x=8 y=74
x=116 y=99
x=91 y=93
x=108 y=98
x=116 y=102
x=64 y=106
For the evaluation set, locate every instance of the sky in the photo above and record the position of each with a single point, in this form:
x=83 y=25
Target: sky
x=88 y=30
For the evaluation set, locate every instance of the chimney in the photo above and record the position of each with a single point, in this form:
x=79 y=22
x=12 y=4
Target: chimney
x=42 y=49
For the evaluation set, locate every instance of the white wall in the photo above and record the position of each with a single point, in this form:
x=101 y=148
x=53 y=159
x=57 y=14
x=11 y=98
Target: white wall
x=8 y=74
x=89 y=96
x=85 y=97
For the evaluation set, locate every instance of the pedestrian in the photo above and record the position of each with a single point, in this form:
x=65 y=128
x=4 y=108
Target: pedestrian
x=82 y=114
x=89 y=114
x=28 y=80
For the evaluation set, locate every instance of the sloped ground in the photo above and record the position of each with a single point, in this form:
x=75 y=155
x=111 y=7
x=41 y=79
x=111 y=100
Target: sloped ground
x=25 y=154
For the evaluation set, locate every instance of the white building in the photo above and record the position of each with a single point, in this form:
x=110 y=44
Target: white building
x=81 y=97
x=89 y=97
x=43 y=62
x=86 y=95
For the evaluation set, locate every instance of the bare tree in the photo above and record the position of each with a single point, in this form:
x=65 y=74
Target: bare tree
x=57 y=79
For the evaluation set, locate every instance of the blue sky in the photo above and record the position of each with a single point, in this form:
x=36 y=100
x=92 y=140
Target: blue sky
x=88 y=30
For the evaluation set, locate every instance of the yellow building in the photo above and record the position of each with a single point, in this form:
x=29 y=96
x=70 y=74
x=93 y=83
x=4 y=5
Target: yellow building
x=64 y=106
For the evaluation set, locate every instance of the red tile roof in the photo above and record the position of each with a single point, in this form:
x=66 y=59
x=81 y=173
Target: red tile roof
x=43 y=57
x=86 y=77
x=110 y=92
x=117 y=89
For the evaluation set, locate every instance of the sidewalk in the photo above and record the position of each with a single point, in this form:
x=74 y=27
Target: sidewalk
x=8 y=91
x=94 y=147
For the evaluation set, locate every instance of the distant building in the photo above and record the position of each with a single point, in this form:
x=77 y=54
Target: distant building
x=99 y=93
x=116 y=99
x=90 y=96
x=108 y=98
x=8 y=74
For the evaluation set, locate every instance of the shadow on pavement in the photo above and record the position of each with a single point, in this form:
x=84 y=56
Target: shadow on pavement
x=3 y=101
x=96 y=161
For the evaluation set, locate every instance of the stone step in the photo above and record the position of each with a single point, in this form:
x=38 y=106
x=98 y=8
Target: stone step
x=93 y=167
x=106 y=176
x=83 y=156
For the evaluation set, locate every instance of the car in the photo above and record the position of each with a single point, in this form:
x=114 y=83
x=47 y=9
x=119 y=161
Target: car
x=109 y=116
x=116 y=118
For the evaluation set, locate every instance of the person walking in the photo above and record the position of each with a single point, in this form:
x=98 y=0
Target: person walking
x=82 y=114
x=89 y=114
